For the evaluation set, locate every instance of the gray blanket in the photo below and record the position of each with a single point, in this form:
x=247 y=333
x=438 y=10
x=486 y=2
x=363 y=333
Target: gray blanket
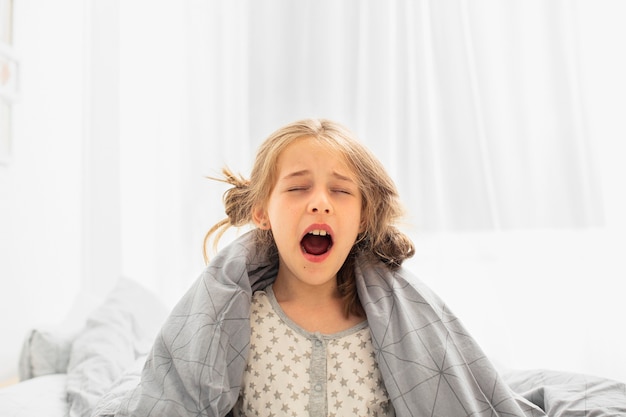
x=431 y=366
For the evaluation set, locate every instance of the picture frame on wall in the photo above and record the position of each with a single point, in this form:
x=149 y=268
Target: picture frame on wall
x=8 y=79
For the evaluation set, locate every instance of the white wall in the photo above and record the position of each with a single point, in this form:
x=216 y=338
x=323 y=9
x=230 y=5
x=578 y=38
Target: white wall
x=40 y=189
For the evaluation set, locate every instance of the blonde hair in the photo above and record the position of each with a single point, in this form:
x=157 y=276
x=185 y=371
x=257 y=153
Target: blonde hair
x=380 y=203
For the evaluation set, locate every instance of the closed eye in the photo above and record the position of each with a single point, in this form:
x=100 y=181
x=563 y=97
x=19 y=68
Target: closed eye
x=297 y=188
x=343 y=191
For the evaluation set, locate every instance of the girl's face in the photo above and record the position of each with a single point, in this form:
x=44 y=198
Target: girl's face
x=314 y=212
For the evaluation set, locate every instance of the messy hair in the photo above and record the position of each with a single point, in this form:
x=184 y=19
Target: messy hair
x=381 y=208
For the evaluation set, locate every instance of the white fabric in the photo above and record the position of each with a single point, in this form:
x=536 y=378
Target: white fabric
x=475 y=115
x=117 y=333
x=45 y=351
x=41 y=396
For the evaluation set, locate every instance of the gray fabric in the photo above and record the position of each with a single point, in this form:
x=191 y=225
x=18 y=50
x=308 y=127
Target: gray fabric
x=429 y=363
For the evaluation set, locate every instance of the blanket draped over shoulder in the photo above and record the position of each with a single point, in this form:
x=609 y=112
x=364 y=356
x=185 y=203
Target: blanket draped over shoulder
x=431 y=366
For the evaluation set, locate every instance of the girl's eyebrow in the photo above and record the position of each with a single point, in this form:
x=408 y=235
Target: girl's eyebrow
x=342 y=177
x=305 y=172
x=296 y=174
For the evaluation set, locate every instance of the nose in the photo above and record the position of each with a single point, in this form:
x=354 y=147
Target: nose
x=316 y=210
x=320 y=203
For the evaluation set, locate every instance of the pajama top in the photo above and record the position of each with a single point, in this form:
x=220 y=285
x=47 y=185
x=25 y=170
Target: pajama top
x=293 y=372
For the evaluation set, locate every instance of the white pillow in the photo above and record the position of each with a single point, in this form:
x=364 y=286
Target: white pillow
x=45 y=351
x=122 y=329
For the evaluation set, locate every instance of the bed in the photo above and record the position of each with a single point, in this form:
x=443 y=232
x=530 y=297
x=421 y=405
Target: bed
x=67 y=372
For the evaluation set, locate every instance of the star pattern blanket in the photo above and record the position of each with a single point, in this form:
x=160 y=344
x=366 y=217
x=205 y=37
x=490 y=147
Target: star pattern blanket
x=430 y=365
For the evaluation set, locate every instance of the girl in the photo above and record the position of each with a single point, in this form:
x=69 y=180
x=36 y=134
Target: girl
x=311 y=312
x=317 y=198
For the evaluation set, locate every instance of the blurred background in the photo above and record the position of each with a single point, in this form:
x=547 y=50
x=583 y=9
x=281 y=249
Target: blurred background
x=502 y=123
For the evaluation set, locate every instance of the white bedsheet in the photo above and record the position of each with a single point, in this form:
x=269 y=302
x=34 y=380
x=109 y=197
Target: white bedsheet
x=44 y=396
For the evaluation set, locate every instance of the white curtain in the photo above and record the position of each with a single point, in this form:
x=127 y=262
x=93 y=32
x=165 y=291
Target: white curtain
x=475 y=108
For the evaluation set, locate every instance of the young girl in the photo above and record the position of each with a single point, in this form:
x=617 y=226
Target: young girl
x=311 y=312
x=317 y=198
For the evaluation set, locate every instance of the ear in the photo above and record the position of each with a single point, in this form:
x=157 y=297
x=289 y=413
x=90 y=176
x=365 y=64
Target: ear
x=260 y=218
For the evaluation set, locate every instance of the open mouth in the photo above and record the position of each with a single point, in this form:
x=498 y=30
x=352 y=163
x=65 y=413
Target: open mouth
x=316 y=242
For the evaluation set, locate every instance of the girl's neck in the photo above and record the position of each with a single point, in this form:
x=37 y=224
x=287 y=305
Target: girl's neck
x=314 y=308
x=307 y=295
